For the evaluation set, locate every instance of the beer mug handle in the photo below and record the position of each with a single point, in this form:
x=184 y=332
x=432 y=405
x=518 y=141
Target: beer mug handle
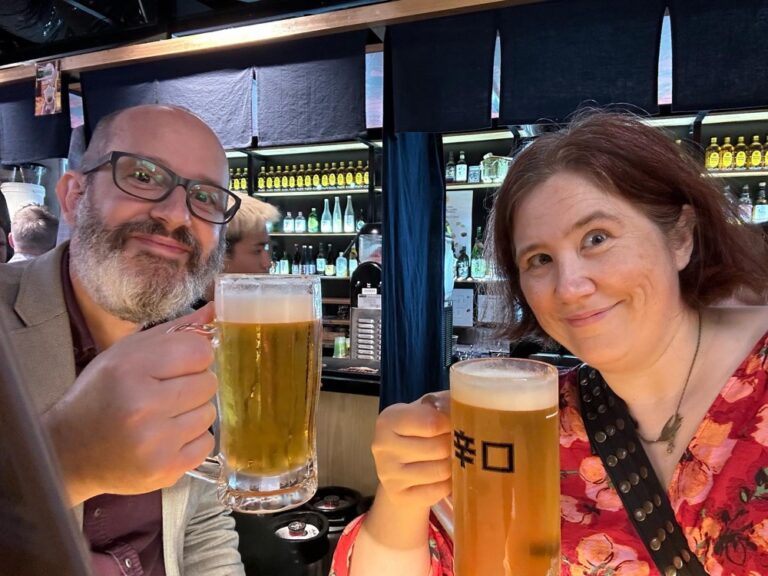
x=210 y=469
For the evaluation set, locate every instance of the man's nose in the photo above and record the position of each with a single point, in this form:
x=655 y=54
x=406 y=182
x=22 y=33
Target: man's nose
x=173 y=211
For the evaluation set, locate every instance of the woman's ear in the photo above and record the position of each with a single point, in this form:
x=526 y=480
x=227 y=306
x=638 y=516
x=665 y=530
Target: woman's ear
x=682 y=237
x=69 y=191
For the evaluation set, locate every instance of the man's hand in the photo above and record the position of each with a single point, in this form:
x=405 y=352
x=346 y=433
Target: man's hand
x=137 y=417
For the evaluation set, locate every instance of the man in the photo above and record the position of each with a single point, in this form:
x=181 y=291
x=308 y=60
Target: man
x=128 y=413
x=247 y=237
x=33 y=232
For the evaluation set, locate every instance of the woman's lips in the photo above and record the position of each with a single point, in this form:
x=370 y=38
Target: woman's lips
x=588 y=317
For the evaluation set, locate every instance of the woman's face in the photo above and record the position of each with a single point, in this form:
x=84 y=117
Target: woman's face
x=600 y=277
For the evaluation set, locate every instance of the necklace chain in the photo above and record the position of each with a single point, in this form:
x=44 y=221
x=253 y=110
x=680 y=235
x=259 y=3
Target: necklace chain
x=671 y=427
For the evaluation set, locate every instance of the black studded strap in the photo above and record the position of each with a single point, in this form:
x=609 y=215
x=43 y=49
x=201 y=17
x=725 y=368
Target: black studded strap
x=613 y=437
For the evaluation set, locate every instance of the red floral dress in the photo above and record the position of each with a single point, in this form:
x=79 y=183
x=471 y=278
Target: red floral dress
x=719 y=491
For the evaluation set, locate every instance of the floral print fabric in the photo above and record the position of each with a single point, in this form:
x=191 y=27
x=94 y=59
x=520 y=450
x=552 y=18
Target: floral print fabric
x=719 y=490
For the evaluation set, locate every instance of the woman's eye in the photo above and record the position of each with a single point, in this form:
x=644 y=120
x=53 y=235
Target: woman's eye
x=595 y=238
x=538 y=260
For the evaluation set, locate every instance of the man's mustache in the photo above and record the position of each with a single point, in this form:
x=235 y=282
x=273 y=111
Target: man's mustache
x=119 y=235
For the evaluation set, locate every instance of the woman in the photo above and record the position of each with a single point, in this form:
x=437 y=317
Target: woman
x=613 y=245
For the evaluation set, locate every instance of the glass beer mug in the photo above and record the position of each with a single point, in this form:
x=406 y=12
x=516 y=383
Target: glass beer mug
x=267 y=339
x=506 y=468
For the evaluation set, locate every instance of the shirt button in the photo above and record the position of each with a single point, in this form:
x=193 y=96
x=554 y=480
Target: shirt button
x=128 y=562
x=97 y=513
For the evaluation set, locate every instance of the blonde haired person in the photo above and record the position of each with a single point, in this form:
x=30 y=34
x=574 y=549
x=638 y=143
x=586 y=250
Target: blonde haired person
x=247 y=236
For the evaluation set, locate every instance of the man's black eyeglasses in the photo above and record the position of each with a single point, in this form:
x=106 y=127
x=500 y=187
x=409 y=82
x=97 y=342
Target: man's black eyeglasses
x=146 y=179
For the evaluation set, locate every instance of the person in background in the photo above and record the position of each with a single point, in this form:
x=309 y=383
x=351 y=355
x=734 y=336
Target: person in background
x=125 y=400
x=6 y=251
x=33 y=232
x=616 y=247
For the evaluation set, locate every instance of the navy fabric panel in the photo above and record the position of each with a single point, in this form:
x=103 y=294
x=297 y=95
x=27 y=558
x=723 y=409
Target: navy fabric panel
x=414 y=229
x=557 y=56
x=719 y=54
x=217 y=89
x=25 y=137
x=311 y=90
x=443 y=73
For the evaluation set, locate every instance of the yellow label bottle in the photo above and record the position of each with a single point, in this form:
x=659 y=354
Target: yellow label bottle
x=349 y=176
x=366 y=177
x=236 y=182
x=316 y=177
x=261 y=181
x=278 y=182
x=359 y=174
x=755 y=156
x=284 y=179
x=726 y=154
x=270 y=179
x=292 y=178
x=324 y=176
x=300 y=178
x=332 y=176
x=740 y=154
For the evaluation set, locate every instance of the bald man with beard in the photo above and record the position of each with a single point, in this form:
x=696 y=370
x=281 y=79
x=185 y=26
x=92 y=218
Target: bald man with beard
x=128 y=405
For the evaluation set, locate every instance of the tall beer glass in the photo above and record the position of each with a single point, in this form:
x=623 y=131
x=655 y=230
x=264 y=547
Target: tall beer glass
x=268 y=360
x=506 y=468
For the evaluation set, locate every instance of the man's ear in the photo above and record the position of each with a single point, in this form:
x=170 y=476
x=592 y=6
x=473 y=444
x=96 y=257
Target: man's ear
x=69 y=191
x=682 y=237
x=11 y=243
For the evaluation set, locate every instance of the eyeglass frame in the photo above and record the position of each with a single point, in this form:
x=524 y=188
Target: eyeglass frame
x=112 y=158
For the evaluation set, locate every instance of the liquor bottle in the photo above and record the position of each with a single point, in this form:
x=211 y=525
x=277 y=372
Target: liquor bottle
x=760 y=210
x=712 y=155
x=285 y=266
x=366 y=176
x=341 y=265
x=332 y=175
x=236 y=183
x=270 y=179
x=765 y=153
x=284 y=179
x=296 y=268
x=349 y=216
x=231 y=179
x=313 y=223
x=330 y=263
x=289 y=224
x=326 y=222
x=321 y=260
x=292 y=178
x=324 y=177
x=349 y=176
x=311 y=264
x=337 y=223
x=360 y=221
x=244 y=182
x=461 y=168
x=745 y=204
x=353 y=259
x=726 y=154
x=316 y=177
x=261 y=181
x=755 y=157
x=303 y=261
x=341 y=179
x=450 y=169
x=478 y=259
x=301 y=223
x=462 y=265
x=277 y=183
x=740 y=154
x=359 y=174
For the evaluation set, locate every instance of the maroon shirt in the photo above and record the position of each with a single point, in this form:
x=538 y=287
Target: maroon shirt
x=125 y=533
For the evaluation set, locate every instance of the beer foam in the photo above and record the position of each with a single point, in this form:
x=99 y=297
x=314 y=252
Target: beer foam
x=249 y=308
x=497 y=385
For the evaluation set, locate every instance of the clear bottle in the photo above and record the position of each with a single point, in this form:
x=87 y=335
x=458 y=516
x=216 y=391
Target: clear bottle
x=326 y=221
x=760 y=209
x=321 y=260
x=341 y=265
x=462 y=265
x=478 y=257
x=726 y=154
x=330 y=262
x=289 y=224
x=450 y=169
x=337 y=223
x=313 y=222
x=284 y=266
x=353 y=259
x=461 y=168
x=360 y=221
x=300 y=225
x=755 y=158
x=712 y=155
x=261 y=181
x=349 y=216
x=740 y=154
x=745 y=204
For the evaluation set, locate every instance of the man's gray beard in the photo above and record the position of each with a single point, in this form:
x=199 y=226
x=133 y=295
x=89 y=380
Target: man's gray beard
x=144 y=289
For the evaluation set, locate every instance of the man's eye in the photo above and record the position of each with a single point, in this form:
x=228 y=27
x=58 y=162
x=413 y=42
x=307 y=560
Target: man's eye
x=203 y=197
x=142 y=176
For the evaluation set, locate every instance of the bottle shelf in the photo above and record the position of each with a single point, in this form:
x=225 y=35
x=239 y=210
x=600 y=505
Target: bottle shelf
x=305 y=149
x=313 y=234
x=738 y=173
x=476 y=186
x=335 y=278
x=342 y=301
x=336 y=322
x=329 y=192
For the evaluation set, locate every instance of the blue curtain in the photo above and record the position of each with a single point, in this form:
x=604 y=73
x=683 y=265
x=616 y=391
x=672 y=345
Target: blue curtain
x=25 y=137
x=414 y=225
x=718 y=54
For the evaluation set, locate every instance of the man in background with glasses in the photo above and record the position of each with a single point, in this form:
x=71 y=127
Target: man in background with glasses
x=126 y=403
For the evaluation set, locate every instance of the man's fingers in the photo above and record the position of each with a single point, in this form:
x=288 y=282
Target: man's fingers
x=186 y=393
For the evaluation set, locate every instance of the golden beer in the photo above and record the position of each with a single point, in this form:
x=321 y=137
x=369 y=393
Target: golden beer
x=506 y=469
x=268 y=377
